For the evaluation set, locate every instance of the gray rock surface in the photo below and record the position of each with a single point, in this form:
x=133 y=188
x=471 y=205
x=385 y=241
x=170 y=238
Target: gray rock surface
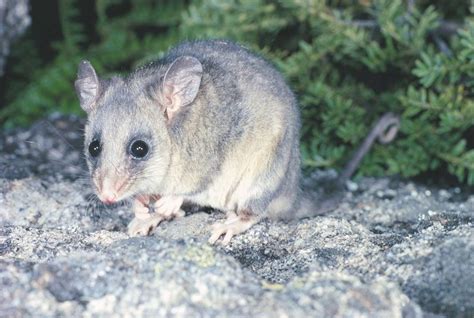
x=14 y=19
x=392 y=249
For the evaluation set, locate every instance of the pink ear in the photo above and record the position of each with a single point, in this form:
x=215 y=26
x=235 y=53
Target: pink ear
x=87 y=86
x=180 y=84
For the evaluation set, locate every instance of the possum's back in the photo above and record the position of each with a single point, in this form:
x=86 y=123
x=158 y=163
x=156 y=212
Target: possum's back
x=225 y=59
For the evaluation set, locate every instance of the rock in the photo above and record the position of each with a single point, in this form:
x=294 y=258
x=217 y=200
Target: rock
x=150 y=277
x=51 y=148
x=438 y=273
x=335 y=294
x=15 y=19
x=407 y=252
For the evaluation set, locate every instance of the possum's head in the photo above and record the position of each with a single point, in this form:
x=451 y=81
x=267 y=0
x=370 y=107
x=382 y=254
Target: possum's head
x=127 y=140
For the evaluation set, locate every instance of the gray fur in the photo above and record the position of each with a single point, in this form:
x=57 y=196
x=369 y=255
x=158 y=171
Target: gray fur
x=242 y=102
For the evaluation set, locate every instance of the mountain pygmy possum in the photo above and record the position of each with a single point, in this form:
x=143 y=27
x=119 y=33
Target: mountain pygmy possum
x=210 y=123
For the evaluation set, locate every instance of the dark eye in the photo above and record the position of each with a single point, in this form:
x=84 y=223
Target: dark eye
x=95 y=148
x=138 y=149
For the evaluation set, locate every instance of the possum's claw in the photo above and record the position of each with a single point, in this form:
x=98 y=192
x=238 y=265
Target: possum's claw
x=144 y=227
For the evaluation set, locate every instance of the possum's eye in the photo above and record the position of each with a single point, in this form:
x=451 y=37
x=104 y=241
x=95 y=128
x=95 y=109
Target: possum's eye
x=95 y=148
x=138 y=149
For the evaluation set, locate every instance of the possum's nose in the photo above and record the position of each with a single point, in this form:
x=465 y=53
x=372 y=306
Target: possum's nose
x=110 y=190
x=108 y=198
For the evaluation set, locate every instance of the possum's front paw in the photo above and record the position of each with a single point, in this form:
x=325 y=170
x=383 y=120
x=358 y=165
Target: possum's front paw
x=169 y=207
x=144 y=226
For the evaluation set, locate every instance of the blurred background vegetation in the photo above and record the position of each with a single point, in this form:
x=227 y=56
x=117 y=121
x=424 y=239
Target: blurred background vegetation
x=349 y=61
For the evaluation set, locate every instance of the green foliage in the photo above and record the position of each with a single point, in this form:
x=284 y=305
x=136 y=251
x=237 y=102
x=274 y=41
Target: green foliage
x=348 y=62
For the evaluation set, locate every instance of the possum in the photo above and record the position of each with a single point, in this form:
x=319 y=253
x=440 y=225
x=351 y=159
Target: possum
x=210 y=123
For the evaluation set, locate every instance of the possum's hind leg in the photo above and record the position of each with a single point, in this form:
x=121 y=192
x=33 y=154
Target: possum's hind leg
x=235 y=224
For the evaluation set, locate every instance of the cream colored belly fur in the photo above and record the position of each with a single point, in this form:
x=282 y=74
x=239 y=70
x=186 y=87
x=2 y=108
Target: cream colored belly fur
x=236 y=182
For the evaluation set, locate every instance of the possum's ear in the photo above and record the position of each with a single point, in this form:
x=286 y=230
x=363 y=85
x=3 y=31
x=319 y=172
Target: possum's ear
x=180 y=84
x=87 y=86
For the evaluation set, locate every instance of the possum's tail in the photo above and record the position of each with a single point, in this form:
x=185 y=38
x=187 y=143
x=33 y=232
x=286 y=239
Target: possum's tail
x=317 y=203
x=311 y=205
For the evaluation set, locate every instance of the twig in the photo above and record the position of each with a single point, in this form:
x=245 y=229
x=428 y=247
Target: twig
x=442 y=46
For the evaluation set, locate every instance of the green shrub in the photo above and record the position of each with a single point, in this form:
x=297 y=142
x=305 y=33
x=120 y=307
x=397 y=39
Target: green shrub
x=347 y=61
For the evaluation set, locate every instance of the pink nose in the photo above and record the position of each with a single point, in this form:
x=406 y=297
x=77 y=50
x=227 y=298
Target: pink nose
x=108 y=198
x=110 y=190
